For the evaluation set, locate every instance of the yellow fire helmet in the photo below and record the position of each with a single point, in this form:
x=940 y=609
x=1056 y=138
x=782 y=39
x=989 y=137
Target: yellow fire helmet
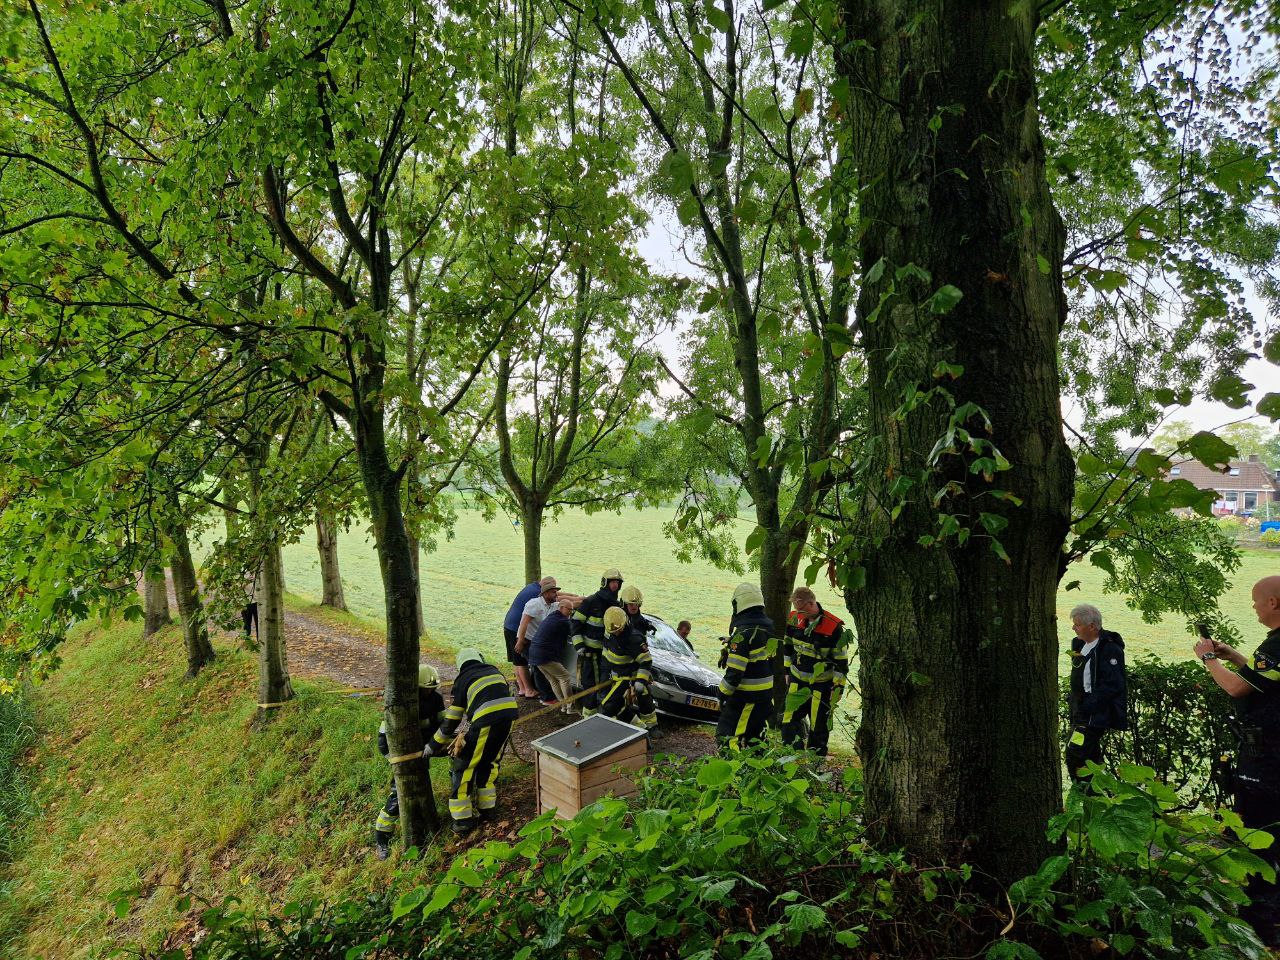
x=428 y=676
x=746 y=596
x=615 y=618
x=631 y=595
x=613 y=573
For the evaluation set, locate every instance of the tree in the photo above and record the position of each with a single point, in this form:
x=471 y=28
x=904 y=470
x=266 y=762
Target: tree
x=757 y=175
x=959 y=307
x=155 y=593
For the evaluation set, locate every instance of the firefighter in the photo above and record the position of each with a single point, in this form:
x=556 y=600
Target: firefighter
x=816 y=653
x=430 y=716
x=1254 y=684
x=481 y=694
x=746 y=692
x=588 y=637
x=627 y=654
x=631 y=599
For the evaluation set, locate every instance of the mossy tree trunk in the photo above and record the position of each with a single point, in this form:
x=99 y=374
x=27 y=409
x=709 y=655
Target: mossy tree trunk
x=155 y=595
x=330 y=575
x=195 y=628
x=958 y=644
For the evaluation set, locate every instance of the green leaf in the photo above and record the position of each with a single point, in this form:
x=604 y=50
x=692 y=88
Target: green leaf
x=718 y=18
x=803 y=917
x=715 y=773
x=1269 y=406
x=1230 y=389
x=1057 y=37
x=638 y=924
x=408 y=902
x=877 y=271
x=755 y=539
x=1122 y=827
x=1212 y=451
x=678 y=171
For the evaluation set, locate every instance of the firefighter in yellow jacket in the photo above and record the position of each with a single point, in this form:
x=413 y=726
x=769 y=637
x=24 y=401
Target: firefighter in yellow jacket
x=481 y=695
x=626 y=652
x=816 y=653
x=746 y=692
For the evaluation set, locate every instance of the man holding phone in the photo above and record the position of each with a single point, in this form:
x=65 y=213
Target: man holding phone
x=1255 y=684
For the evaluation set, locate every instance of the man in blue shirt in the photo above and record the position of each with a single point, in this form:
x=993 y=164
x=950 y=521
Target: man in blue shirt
x=509 y=627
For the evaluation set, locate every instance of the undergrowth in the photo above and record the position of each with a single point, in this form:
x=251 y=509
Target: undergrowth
x=761 y=856
x=147 y=782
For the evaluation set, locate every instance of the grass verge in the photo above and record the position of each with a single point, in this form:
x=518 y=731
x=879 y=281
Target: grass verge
x=143 y=780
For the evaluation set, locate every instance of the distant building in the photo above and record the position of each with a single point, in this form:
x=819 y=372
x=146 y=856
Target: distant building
x=1246 y=486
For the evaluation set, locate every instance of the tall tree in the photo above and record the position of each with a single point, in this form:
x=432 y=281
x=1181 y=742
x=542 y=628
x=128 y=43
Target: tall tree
x=960 y=306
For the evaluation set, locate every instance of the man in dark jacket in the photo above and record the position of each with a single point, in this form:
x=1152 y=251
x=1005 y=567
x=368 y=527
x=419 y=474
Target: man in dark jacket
x=1254 y=684
x=481 y=695
x=746 y=692
x=547 y=654
x=1099 y=690
x=588 y=637
x=430 y=716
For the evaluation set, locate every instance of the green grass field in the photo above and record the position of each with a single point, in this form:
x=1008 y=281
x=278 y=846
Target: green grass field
x=469 y=582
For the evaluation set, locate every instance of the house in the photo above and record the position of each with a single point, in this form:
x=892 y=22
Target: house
x=1245 y=487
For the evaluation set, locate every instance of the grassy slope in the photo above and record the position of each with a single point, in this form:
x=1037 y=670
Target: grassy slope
x=150 y=781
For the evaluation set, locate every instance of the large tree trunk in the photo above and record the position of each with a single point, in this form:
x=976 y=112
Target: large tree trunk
x=958 y=646
x=400 y=590
x=330 y=576
x=155 y=593
x=195 y=630
x=531 y=512
x=274 y=685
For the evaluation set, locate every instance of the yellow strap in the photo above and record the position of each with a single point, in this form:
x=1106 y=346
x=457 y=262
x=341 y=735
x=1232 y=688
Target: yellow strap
x=269 y=706
x=404 y=756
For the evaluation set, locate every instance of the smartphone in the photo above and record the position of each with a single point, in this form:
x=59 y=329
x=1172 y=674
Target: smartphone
x=1203 y=630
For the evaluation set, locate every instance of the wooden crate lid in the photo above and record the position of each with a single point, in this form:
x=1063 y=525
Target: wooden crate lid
x=589 y=739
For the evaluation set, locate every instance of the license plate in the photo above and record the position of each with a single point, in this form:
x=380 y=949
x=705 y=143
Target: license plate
x=704 y=704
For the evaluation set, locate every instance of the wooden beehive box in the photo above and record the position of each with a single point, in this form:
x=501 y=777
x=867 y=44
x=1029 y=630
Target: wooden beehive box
x=577 y=765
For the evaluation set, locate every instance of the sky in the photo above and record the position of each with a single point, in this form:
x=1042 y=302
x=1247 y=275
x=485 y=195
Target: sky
x=660 y=247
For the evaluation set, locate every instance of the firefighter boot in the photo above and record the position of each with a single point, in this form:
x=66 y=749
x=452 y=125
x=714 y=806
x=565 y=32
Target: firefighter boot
x=382 y=844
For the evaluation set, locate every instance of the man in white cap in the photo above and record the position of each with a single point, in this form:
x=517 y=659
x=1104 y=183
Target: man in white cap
x=535 y=611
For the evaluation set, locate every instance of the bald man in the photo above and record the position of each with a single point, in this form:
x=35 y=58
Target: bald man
x=1256 y=686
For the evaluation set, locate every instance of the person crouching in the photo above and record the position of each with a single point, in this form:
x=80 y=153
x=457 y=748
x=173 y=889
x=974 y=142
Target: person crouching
x=482 y=697
x=430 y=716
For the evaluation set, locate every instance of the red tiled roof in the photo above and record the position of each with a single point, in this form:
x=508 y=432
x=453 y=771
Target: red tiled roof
x=1253 y=475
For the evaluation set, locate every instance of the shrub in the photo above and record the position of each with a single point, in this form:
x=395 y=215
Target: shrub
x=752 y=857
x=1139 y=877
x=1179 y=726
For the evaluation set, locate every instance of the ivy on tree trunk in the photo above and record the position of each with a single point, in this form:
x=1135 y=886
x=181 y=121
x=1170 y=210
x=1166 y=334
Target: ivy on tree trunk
x=958 y=635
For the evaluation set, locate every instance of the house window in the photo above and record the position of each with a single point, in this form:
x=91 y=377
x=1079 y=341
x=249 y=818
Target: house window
x=1231 y=496
x=1235 y=472
x=1250 y=501
x=1175 y=471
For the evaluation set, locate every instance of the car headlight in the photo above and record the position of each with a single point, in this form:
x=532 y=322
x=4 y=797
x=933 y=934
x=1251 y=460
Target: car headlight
x=661 y=676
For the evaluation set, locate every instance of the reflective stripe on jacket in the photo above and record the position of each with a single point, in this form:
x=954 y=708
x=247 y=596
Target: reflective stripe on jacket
x=481 y=694
x=817 y=650
x=748 y=661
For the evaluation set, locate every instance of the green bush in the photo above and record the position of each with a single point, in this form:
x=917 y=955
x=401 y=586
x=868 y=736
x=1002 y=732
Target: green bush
x=17 y=734
x=1178 y=726
x=1139 y=877
x=754 y=857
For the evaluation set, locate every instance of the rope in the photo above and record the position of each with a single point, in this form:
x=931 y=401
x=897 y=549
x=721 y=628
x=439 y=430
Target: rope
x=271 y=706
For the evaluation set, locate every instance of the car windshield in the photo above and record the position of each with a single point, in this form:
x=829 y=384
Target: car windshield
x=667 y=640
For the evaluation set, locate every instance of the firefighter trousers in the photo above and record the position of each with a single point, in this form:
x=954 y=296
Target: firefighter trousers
x=742 y=722
x=638 y=708
x=811 y=704
x=474 y=771
x=589 y=675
